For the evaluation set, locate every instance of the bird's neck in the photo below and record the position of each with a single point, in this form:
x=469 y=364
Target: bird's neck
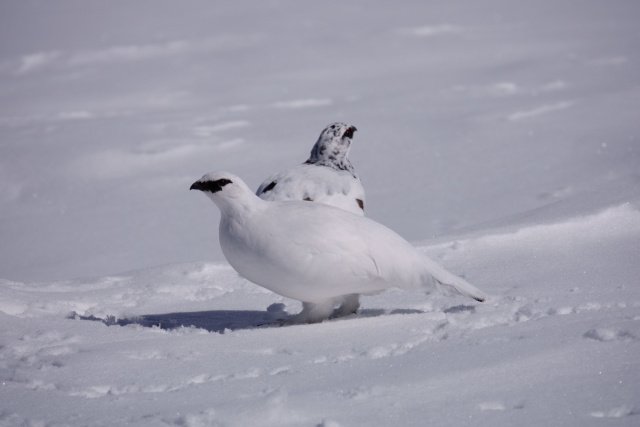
x=239 y=208
x=341 y=164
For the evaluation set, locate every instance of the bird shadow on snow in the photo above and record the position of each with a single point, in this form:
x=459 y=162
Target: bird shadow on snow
x=225 y=320
x=213 y=321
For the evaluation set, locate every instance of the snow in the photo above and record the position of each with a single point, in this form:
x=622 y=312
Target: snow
x=500 y=137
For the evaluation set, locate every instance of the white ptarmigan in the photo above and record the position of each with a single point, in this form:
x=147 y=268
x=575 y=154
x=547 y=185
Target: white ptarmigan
x=314 y=253
x=326 y=177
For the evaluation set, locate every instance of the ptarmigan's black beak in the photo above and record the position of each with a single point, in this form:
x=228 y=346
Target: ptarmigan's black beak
x=349 y=132
x=211 y=186
x=197 y=186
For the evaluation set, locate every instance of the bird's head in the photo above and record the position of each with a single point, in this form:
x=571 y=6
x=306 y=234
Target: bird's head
x=332 y=147
x=223 y=188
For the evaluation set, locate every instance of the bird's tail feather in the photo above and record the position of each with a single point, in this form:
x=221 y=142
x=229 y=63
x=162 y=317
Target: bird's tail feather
x=454 y=283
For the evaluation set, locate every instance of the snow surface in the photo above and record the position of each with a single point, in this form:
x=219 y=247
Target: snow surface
x=500 y=136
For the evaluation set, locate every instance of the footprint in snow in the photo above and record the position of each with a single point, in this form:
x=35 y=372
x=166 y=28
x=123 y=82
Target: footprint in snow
x=618 y=412
x=498 y=405
x=605 y=335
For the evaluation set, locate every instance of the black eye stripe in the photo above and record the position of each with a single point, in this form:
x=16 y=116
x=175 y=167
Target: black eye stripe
x=211 y=186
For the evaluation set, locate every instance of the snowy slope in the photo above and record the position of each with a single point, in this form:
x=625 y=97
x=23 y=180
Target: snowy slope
x=466 y=113
x=501 y=137
x=557 y=343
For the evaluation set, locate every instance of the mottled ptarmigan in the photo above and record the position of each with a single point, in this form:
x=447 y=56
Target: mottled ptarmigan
x=315 y=253
x=326 y=177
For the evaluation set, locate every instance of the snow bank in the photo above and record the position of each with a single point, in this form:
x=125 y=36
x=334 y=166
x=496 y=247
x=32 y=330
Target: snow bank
x=187 y=344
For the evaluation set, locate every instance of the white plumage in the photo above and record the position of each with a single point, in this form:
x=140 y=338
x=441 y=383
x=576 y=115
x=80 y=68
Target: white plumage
x=326 y=177
x=314 y=253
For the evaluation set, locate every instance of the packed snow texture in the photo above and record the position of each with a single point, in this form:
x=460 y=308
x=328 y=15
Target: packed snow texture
x=500 y=137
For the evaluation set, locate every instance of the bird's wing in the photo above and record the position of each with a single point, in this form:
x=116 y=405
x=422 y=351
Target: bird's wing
x=315 y=183
x=268 y=184
x=337 y=248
